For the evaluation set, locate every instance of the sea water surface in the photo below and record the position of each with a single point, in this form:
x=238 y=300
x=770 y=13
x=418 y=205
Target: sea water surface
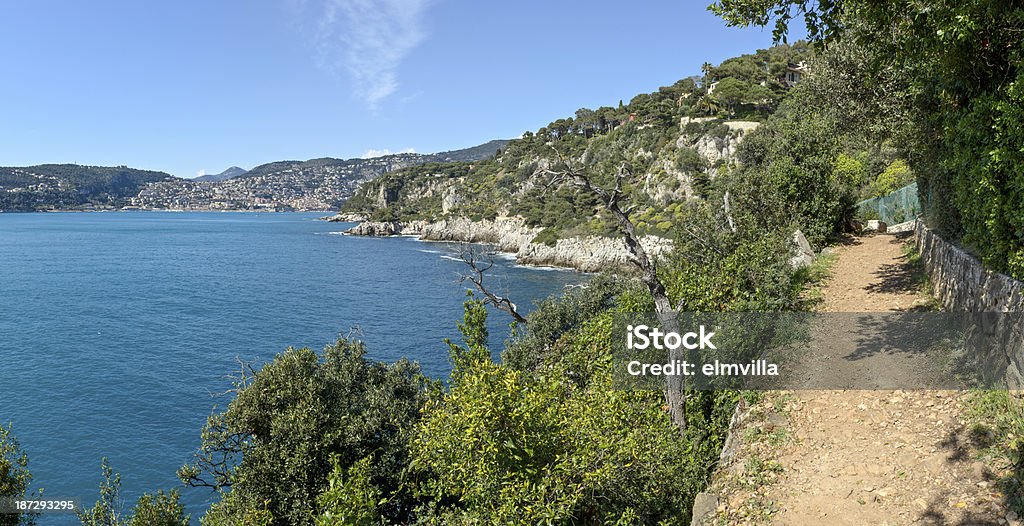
x=118 y=330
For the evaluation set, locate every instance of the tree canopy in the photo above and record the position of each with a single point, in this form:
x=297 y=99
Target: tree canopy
x=960 y=64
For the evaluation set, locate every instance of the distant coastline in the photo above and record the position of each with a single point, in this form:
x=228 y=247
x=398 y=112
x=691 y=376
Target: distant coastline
x=314 y=185
x=136 y=209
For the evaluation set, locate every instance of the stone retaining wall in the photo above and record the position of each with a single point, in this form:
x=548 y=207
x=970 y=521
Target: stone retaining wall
x=962 y=284
x=959 y=280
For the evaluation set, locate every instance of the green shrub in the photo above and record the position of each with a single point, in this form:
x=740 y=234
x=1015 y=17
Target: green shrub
x=14 y=476
x=548 y=236
x=895 y=176
x=506 y=446
x=351 y=498
x=159 y=509
x=690 y=161
x=299 y=418
x=849 y=171
x=534 y=344
x=789 y=176
x=986 y=153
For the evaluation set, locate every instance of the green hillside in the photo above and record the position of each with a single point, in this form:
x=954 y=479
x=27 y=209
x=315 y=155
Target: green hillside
x=68 y=186
x=665 y=137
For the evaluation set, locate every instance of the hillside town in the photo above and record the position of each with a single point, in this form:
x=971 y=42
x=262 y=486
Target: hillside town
x=311 y=185
x=316 y=184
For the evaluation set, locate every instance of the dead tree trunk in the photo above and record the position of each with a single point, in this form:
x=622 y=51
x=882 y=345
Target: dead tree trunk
x=675 y=393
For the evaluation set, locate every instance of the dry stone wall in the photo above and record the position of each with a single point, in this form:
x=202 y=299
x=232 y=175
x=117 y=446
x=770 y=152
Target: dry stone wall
x=962 y=284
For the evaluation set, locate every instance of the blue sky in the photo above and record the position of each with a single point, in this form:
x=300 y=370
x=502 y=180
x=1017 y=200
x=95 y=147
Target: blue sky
x=190 y=86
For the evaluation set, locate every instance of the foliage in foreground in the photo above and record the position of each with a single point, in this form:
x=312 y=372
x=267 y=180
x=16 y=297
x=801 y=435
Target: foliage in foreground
x=14 y=476
x=505 y=445
x=159 y=509
x=996 y=420
x=300 y=418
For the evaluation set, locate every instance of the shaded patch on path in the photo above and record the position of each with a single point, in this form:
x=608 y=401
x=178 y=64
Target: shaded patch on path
x=858 y=458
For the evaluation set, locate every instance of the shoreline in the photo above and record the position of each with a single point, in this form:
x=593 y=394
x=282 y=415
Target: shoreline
x=110 y=210
x=498 y=254
x=510 y=235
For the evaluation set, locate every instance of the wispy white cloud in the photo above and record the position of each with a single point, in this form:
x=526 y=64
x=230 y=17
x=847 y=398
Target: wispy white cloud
x=367 y=39
x=200 y=173
x=381 y=153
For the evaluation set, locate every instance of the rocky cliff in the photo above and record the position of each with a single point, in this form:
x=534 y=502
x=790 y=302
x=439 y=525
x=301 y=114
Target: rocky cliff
x=511 y=235
x=510 y=206
x=672 y=166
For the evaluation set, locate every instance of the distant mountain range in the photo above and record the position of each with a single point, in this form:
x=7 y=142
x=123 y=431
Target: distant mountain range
x=316 y=184
x=234 y=171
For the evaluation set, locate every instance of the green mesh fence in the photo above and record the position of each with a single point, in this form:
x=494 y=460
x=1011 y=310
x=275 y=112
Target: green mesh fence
x=897 y=207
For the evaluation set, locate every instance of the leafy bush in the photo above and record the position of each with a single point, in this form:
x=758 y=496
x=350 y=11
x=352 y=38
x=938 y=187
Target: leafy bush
x=351 y=498
x=511 y=446
x=301 y=417
x=849 y=171
x=896 y=176
x=548 y=236
x=689 y=161
x=533 y=344
x=160 y=509
x=983 y=168
x=14 y=476
x=789 y=175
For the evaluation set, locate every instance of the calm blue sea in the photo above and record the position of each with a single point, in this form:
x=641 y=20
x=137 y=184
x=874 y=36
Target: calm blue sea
x=117 y=330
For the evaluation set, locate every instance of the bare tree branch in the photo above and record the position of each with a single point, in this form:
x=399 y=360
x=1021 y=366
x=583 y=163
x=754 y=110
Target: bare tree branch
x=479 y=262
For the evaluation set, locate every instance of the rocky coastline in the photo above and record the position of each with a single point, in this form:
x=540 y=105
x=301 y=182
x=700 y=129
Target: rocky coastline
x=513 y=236
x=344 y=218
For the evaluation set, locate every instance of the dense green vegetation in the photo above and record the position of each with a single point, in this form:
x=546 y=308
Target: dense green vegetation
x=66 y=186
x=952 y=70
x=15 y=477
x=302 y=416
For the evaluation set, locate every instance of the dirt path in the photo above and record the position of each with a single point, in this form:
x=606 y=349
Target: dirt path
x=859 y=457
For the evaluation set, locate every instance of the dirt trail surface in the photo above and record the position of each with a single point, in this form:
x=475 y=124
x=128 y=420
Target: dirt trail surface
x=858 y=457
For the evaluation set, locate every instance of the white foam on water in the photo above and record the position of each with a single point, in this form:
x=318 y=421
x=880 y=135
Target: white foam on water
x=543 y=267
